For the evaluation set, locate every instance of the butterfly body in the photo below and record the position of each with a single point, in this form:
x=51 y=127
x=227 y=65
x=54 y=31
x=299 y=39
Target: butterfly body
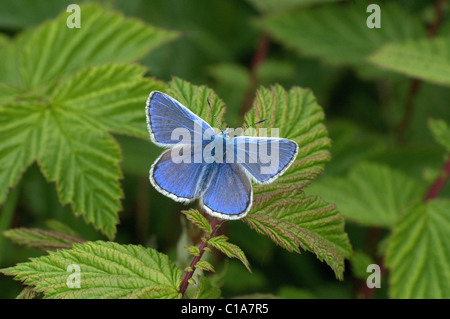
x=213 y=167
x=218 y=142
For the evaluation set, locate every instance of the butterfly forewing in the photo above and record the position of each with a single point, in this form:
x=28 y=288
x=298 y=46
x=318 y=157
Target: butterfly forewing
x=265 y=158
x=167 y=118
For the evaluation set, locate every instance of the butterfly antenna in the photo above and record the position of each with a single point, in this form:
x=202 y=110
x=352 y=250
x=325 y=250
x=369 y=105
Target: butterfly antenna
x=254 y=123
x=214 y=114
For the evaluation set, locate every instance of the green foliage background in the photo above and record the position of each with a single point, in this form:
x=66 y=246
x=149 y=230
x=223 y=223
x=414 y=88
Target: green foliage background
x=378 y=174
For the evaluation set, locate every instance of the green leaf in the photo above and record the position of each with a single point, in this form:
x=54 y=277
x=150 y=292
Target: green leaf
x=339 y=34
x=67 y=133
x=371 y=194
x=21 y=136
x=195 y=98
x=298 y=117
x=231 y=250
x=27 y=293
x=198 y=220
x=426 y=59
x=62 y=119
x=204 y=265
x=359 y=262
x=7 y=93
x=231 y=75
x=109 y=96
x=306 y=222
x=207 y=289
x=418 y=252
x=4 y=40
x=279 y=210
x=441 y=132
x=85 y=168
x=54 y=50
x=7 y=212
x=42 y=239
x=60 y=227
x=192 y=282
x=193 y=250
x=107 y=270
x=9 y=62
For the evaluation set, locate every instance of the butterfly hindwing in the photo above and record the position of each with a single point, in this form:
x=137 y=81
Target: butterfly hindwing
x=229 y=193
x=179 y=181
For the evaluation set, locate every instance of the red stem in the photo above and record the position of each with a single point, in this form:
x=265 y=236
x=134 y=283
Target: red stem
x=258 y=58
x=409 y=109
x=215 y=224
x=415 y=83
x=438 y=13
x=436 y=188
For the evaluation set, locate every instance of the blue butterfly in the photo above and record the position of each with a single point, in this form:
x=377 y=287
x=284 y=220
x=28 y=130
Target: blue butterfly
x=213 y=167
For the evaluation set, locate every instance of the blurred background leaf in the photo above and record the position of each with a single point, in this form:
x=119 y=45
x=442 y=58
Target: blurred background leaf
x=339 y=34
x=418 y=252
x=427 y=59
x=371 y=194
x=441 y=132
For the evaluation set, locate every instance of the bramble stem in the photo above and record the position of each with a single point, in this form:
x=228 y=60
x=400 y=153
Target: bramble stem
x=258 y=58
x=415 y=83
x=215 y=224
x=439 y=183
